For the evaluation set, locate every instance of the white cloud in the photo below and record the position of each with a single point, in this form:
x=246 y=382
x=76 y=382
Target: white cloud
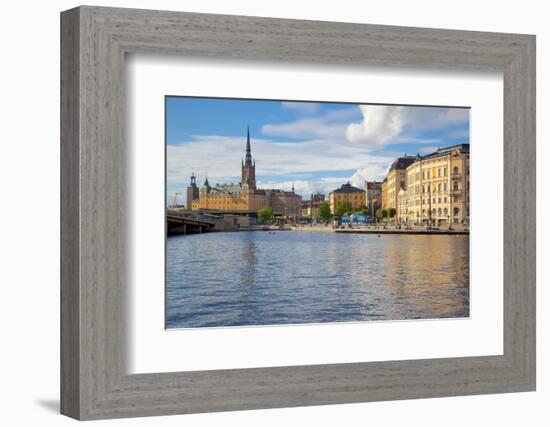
x=331 y=124
x=375 y=172
x=322 y=144
x=220 y=157
x=382 y=125
x=309 y=187
x=301 y=187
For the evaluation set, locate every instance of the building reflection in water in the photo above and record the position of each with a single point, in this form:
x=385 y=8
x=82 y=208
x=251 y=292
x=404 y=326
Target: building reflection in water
x=438 y=285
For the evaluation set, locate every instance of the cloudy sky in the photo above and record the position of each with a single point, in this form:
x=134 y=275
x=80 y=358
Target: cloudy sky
x=316 y=146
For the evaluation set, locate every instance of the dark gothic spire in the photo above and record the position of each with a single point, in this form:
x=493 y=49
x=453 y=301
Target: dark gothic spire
x=248 y=156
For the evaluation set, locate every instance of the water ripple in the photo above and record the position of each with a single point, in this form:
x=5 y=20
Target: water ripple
x=255 y=278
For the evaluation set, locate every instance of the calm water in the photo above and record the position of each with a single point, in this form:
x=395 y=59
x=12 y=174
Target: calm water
x=258 y=278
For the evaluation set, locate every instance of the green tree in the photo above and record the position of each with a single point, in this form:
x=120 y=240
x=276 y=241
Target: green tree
x=265 y=214
x=391 y=212
x=343 y=208
x=363 y=209
x=323 y=211
x=381 y=214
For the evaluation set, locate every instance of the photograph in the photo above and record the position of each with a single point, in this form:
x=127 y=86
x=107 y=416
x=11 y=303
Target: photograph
x=285 y=212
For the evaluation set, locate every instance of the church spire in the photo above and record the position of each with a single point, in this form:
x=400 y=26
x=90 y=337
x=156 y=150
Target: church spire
x=248 y=156
x=248 y=168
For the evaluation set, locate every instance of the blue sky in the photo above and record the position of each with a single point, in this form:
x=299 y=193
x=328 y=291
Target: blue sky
x=315 y=146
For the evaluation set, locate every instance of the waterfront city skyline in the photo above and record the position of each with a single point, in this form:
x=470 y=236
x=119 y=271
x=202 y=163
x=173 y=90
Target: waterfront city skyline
x=300 y=212
x=314 y=147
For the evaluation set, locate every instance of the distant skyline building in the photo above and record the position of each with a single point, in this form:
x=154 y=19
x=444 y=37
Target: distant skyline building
x=348 y=193
x=309 y=207
x=192 y=191
x=373 y=195
x=244 y=198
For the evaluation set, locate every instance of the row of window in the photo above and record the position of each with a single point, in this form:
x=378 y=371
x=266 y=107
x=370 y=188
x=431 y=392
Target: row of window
x=455 y=199
x=427 y=173
x=443 y=187
x=443 y=212
x=441 y=172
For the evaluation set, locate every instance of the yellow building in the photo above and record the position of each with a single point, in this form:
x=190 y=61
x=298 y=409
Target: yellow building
x=348 y=193
x=384 y=193
x=231 y=197
x=410 y=197
x=397 y=180
x=437 y=190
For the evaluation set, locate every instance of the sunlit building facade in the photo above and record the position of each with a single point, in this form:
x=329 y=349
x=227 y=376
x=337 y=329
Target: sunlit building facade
x=397 y=179
x=437 y=189
x=348 y=193
x=384 y=193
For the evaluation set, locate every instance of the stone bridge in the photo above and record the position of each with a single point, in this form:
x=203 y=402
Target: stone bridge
x=185 y=225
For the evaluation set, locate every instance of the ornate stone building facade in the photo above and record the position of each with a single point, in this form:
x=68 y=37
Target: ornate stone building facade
x=244 y=197
x=397 y=179
x=437 y=188
x=384 y=193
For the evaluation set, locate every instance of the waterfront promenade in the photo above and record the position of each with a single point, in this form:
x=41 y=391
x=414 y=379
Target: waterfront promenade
x=195 y=226
x=374 y=229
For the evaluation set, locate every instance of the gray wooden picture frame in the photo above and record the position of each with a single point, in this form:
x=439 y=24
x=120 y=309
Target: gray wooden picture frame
x=94 y=381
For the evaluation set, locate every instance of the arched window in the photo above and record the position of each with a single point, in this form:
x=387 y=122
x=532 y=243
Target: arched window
x=455 y=185
x=455 y=170
x=456 y=211
x=445 y=211
x=439 y=212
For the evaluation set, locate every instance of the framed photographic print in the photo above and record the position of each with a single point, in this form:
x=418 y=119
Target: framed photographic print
x=261 y=213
